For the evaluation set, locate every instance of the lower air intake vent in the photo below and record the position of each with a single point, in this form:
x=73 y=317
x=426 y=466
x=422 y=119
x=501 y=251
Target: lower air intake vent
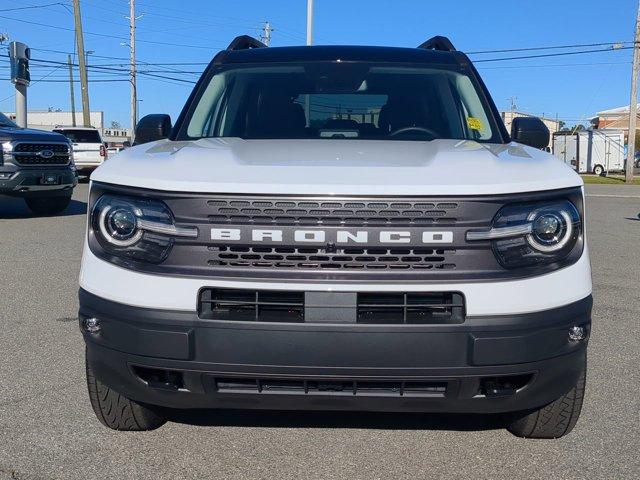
x=411 y=308
x=251 y=305
x=433 y=308
x=383 y=388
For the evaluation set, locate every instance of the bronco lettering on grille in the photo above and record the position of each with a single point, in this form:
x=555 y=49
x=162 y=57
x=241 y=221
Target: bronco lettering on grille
x=342 y=237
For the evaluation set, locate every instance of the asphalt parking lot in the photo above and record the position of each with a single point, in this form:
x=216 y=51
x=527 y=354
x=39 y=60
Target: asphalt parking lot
x=48 y=430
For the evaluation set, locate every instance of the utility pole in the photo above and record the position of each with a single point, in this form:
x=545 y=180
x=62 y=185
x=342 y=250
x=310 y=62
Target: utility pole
x=132 y=73
x=309 y=22
x=266 y=33
x=84 y=81
x=73 y=97
x=633 y=104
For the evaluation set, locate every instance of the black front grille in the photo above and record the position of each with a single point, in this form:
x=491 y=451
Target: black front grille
x=382 y=388
x=358 y=261
x=431 y=308
x=335 y=212
x=29 y=153
x=370 y=258
x=411 y=308
x=251 y=305
x=234 y=256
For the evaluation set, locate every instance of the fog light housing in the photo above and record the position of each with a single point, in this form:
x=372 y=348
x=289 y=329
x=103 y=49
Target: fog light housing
x=577 y=334
x=91 y=325
x=6 y=175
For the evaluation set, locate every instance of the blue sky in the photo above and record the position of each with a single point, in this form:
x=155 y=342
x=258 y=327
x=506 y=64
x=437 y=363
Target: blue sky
x=572 y=87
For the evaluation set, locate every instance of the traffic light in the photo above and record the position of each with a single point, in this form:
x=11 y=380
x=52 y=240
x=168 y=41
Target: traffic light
x=19 y=55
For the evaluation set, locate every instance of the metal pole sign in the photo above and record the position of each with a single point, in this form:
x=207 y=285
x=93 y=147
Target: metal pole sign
x=19 y=55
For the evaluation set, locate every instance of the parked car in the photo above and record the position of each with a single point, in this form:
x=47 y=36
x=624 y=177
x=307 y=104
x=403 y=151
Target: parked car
x=89 y=151
x=337 y=228
x=37 y=166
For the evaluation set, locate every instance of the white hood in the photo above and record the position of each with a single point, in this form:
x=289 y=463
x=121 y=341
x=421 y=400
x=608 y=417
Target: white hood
x=337 y=167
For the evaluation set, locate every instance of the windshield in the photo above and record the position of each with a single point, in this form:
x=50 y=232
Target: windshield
x=341 y=101
x=81 y=136
x=5 y=122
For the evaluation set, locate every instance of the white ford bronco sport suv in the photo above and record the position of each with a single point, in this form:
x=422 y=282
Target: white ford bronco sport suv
x=337 y=228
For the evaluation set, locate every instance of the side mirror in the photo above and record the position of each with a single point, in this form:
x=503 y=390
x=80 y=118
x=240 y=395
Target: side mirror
x=530 y=131
x=151 y=128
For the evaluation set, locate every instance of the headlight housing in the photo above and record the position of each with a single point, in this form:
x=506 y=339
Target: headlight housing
x=135 y=228
x=533 y=234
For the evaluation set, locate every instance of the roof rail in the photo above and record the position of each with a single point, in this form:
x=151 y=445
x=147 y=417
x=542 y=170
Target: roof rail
x=438 y=43
x=245 y=42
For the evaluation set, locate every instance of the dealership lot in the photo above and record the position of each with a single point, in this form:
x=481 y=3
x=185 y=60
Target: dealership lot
x=47 y=428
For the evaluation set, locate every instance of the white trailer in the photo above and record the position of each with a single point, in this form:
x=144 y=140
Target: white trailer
x=591 y=151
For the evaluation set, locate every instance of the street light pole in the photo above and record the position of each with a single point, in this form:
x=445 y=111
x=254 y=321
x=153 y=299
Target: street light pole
x=309 y=22
x=21 y=105
x=307 y=99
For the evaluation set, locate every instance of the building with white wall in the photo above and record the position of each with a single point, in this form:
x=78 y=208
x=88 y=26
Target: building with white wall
x=50 y=119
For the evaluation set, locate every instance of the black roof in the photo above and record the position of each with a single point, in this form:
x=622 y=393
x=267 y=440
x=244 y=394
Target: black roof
x=334 y=53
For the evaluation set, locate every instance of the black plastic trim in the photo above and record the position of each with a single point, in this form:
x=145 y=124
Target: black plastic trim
x=462 y=356
x=438 y=42
x=245 y=42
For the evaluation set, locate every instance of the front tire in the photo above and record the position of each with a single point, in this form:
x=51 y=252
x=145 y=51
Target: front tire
x=598 y=170
x=47 y=205
x=554 y=420
x=117 y=411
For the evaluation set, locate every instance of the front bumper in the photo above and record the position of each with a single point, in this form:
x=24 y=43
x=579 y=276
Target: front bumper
x=336 y=367
x=27 y=181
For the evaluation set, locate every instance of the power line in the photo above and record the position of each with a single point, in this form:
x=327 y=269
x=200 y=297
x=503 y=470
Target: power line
x=550 y=47
x=106 y=35
x=32 y=7
x=557 y=65
x=523 y=57
x=144 y=28
x=108 y=70
x=34 y=82
x=113 y=69
x=66 y=80
x=125 y=60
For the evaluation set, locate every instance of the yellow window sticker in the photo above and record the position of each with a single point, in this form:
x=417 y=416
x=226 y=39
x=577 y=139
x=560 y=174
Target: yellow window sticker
x=474 y=123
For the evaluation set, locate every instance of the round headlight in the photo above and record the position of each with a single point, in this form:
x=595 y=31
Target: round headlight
x=550 y=229
x=122 y=223
x=119 y=226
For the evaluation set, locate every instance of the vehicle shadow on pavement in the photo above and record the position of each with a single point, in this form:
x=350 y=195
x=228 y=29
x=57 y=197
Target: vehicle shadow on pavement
x=322 y=419
x=14 y=208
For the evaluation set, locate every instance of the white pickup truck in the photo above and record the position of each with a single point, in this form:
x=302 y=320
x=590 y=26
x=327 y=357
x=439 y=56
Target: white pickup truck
x=337 y=228
x=89 y=151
